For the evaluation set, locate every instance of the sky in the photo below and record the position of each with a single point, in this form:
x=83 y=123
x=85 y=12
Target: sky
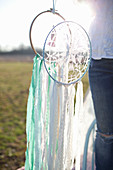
x=16 y=17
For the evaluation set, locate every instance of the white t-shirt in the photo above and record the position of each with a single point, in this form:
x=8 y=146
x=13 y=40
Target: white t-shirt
x=101 y=30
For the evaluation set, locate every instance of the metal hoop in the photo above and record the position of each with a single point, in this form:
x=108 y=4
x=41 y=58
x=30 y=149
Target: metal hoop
x=48 y=11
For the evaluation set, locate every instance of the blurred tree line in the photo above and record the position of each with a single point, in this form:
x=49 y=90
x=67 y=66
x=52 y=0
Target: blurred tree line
x=21 y=50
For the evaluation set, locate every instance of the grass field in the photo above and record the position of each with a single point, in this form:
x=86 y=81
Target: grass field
x=14 y=85
x=15 y=79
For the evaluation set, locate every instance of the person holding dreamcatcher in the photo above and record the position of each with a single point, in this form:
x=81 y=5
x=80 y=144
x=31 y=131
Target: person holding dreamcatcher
x=101 y=80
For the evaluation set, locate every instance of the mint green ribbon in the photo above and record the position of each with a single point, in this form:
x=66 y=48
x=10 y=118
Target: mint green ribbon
x=33 y=153
x=30 y=124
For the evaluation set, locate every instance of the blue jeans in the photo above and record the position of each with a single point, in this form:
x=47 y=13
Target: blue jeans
x=101 y=84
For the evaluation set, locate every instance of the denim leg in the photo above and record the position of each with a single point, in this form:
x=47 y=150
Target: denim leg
x=101 y=84
x=104 y=152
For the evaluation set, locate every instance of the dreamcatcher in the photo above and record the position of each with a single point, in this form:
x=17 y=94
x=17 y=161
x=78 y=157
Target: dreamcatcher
x=52 y=122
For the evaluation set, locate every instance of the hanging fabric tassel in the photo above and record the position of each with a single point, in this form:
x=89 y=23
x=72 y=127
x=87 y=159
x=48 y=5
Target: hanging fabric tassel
x=37 y=117
x=45 y=116
x=51 y=122
x=61 y=129
x=30 y=126
x=29 y=164
x=78 y=122
x=69 y=128
x=64 y=154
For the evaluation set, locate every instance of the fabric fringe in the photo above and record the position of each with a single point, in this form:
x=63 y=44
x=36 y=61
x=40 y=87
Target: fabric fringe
x=52 y=127
x=78 y=119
